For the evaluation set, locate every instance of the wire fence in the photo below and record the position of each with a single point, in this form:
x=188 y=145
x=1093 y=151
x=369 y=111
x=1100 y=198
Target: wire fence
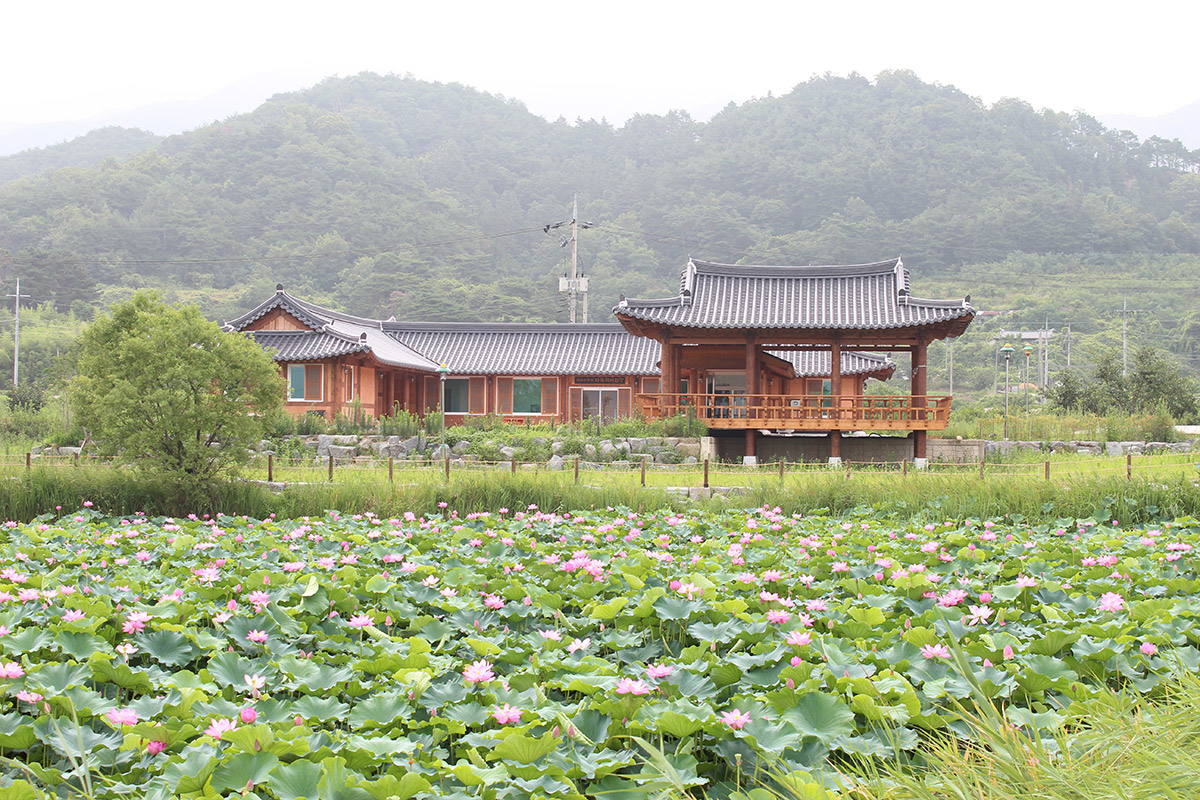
x=704 y=473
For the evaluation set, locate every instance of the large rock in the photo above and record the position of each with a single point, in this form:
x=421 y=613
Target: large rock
x=341 y=453
x=461 y=447
x=440 y=452
x=556 y=462
x=326 y=440
x=688 y=449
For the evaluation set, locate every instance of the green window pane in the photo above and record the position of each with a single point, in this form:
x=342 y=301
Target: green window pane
x=458 y=395
x=296 y=382
x=527 y=396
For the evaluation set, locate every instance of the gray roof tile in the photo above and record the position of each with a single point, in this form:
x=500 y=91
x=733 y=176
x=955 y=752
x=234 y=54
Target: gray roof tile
x=531 y=349
x=854 y=297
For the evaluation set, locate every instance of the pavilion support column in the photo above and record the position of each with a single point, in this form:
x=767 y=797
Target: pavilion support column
x=835 y=391
x=920 y=357
x=668 y=368
x=753 y=389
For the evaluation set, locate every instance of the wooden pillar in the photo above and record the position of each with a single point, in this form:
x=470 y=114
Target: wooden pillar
x=752 y=390
x=835 y=446
x=667 y=368
x=920 y=354
x=835 y=376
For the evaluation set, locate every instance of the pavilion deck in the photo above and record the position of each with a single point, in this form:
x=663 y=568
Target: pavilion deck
x=803 y=412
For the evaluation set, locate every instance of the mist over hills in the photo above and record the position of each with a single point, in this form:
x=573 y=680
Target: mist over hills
x=391 y=196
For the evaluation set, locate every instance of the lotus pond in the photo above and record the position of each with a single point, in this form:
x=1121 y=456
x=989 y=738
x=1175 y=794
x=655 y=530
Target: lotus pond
x=530 y=654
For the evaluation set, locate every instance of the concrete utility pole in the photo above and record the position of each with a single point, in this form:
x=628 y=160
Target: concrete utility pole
x=1125 y=312
x=576 y=286
x=17 y=330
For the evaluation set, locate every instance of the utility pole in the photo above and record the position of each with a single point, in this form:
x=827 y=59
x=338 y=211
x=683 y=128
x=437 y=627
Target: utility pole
x=1125 y=312
x=576 y=285
x=17 y=329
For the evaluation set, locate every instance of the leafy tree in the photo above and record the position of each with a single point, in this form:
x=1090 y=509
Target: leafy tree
x=1153 y=384
x=170 y=391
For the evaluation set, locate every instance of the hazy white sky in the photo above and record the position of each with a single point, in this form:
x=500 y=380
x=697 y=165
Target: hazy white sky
x=72 y=60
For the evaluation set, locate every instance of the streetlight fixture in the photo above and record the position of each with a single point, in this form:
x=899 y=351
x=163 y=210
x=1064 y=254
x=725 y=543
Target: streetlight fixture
x=442 y=372
x=1008 y=350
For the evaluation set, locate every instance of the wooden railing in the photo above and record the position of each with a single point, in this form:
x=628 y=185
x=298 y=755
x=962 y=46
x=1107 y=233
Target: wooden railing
x=803 y=412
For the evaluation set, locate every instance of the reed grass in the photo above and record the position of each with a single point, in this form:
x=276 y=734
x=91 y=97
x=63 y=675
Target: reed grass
x=1116 y=745
x=25 y=494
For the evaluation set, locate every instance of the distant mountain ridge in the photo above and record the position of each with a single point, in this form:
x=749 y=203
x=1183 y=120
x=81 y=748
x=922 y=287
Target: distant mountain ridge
x=393 y=196
x=1183 y=124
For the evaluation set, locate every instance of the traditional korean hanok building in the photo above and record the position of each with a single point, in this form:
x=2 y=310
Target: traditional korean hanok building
x=523 y=373
x=723 y=336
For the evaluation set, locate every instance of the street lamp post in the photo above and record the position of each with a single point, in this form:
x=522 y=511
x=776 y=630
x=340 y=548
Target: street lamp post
x=1008 y=350
x=1028 y=352
x=443 y=371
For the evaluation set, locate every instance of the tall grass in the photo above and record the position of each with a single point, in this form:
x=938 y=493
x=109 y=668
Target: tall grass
x=1113 y=746
x=27 y=494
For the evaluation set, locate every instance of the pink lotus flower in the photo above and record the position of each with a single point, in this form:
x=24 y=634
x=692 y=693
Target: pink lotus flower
x=28 y=697
x=552 y=635
x=631 y=686
x=8 y=669
x=360 y=621
x=220 y=726
x=1026 y=582
x=579 y=644
x=72 y=614
x=735 y=719
x=154 y=747
x=799 y=638
x=979 y=615
x=777 y=616
x=122 y=716
x=1149 y=648
x=478 y=672
x=659 y=670
x=935 y=651
x=505 y=714
x=1008 y=652
x=248 y=715
x=256 y=636
x=1111 y=601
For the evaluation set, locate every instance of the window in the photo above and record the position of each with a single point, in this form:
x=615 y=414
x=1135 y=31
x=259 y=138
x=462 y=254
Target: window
x=458 y=396
x=349 y=383
x=304 y=382
x=527 y=396
x=600 y=405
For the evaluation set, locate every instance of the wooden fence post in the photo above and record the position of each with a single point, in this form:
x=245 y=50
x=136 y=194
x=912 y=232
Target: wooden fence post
x=1047 y=470
x=28 y=461
x=982 y=461
x=446 y=462
x=1129 y=466
x=705 y=473
x=782 y=465
x=391 y=469
x=270 y=468
x=904 y=468
x=331 y=468
x=644 y=472
x=576 y=470
x=513 y=463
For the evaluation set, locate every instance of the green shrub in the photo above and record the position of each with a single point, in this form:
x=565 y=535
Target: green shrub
x=26 y=397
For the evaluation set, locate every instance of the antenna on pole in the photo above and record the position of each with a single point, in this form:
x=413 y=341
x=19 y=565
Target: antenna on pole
x=17 y=329
x=577 y=284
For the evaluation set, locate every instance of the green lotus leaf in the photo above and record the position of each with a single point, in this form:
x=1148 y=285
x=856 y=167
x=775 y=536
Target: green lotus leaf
x=821 y=716
x=299 y=780
x=390 y=787
x=167 y=647
x=525 y=749
x=381 y=711
x=243 y=771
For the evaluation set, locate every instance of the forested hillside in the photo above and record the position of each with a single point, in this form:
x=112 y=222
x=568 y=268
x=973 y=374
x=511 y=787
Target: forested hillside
x=391 y=196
